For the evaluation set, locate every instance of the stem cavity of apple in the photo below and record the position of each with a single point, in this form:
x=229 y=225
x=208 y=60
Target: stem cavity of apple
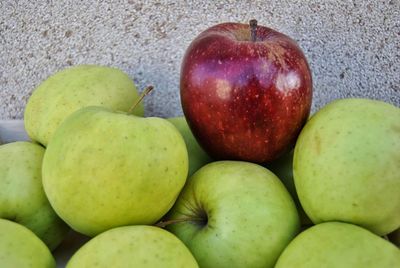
x=253 y=29
x=146 y=91
x=163 y=224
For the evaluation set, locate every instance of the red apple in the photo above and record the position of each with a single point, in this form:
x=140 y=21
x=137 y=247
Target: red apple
x=246 y=91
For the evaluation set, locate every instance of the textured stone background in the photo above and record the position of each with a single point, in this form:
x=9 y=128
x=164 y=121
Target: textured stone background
x=353 y=47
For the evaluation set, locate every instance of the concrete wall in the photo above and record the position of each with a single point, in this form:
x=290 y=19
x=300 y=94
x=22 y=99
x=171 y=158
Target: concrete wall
x=353 y=47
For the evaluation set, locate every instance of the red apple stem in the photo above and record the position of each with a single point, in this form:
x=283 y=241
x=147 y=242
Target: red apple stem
x=146 y=91
x=253 y=29
x=163 y=224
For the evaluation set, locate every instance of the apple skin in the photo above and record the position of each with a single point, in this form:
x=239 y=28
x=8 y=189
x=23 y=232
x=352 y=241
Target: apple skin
x=197 y=156
x=245 y=100
x=73 y=88
x=346 y=165
x=20 y=247
x=133 y=246
x=339 y=245
x=234 y=214
x=104 y=169
x=22 y=198
x=283 y=169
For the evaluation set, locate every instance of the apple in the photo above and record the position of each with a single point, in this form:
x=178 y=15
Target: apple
x=341 y=245
x=197 y=156
x=283 y=169
x=20 y=247
x=246 y=91
x=133 y=246
x=234 y=214
x=346 y=165
x=104 y=169
x=73 y=88
x=22 y=198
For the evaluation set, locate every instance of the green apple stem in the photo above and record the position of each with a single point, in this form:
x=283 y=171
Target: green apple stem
x=146 y=91
x=253 y=29
x=163 y=224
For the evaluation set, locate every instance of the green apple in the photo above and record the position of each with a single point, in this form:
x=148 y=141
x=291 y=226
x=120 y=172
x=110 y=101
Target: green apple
x=22 y=198
x=346 y=165
x=234 y=214
x=21 y=248
x=74 y=88
x=283 y=169
x=197 y=156
x=133 y=246
x=339 y=245
x=104 y=169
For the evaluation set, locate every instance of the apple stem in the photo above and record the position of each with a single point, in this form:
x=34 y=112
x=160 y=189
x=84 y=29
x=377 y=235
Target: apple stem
x=146 y=91
x=253 y=29
x=163 y=224
x=385 y=237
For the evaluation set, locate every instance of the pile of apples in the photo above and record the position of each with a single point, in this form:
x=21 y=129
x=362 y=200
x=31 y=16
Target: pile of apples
x=232 y=194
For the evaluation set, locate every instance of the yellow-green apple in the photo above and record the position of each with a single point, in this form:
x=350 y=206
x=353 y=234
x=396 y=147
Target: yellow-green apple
x=74 y=88
x=133 y=246
x=234 y=214
x=22 y=198
x=246 y=91
x=21 y=248
x=347 y=165
x=104 y=169
x=197 y=156
x=339 y=245
x=283 y=169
